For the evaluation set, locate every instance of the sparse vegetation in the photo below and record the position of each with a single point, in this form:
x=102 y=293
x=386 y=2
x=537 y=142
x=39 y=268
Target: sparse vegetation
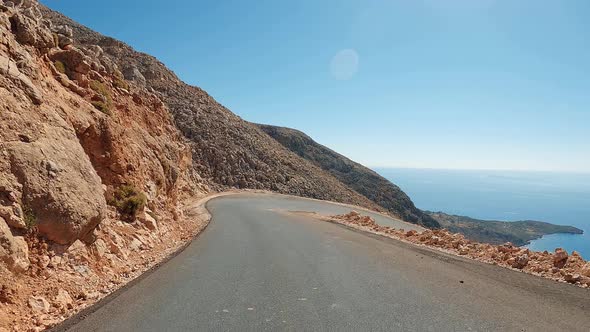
x=101 y=106
x=55 y=39
x=120 y=82
x=104 y=105
x=129 y=201
x=100 y=88
x=30 y=217
x=60 y=66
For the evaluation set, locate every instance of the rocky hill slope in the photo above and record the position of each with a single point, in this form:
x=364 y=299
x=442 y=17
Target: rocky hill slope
x=393 y=199
x=100 y=147
x=226 y=151
x=92 y=170
x=358 y=177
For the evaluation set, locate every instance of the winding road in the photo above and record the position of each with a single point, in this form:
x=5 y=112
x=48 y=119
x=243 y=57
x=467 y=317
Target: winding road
x=256 y=268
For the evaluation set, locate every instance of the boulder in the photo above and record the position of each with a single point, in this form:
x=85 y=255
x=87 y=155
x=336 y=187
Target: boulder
x=24 y=29
x=64 y=41
x=133 y=74
x=13 y=216
x=63 y=299
x=572 y=278
x=61 y=187
x=560 y=258
x=14 y=251
x=74 y=59
x=99 y=248
x=28 y=31
x=78 y=250
x=64 y=30
x=149 y=221
x=521 y=261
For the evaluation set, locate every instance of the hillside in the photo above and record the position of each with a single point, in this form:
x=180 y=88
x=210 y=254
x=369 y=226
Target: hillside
x=498 y=232
x=226 y=150
x=391 y=197
x=93 y=173
x=358 y=177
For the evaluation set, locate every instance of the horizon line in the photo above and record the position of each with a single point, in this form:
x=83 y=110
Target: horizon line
x=483 y=169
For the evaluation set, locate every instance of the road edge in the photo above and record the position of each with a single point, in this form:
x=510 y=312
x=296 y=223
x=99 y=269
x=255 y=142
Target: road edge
x=195 y=209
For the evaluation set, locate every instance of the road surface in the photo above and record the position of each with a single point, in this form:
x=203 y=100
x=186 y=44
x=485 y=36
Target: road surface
x=256 y=269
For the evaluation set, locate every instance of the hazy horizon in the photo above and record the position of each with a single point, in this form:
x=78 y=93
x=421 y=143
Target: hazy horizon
x=482 y=169
x=459 y=84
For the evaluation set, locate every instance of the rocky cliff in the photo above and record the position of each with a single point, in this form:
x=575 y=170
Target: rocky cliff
x=92 y=167
x=358 y=177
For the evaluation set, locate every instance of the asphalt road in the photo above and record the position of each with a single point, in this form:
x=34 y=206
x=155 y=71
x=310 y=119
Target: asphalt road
x=256 y=269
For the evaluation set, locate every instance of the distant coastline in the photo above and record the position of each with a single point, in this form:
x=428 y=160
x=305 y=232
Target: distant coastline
x=519 y=233
x=558 y=198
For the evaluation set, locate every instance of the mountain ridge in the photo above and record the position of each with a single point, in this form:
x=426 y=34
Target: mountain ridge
x=389 y=196
x=361 y=178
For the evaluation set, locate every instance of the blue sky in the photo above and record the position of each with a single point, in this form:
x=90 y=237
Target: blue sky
x=488 y=84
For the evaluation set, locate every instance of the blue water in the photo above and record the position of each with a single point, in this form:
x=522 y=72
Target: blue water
x=559 y=198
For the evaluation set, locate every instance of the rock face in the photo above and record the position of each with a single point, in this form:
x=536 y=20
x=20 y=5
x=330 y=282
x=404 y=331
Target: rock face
x=44 y=167
x=360 y=178
x=71 y=133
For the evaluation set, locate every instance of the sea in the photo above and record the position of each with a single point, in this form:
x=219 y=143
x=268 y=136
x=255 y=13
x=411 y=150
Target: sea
x=558 y=198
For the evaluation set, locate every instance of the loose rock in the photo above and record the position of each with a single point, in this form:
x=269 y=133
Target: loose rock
x=39 y=304
x=560 y=258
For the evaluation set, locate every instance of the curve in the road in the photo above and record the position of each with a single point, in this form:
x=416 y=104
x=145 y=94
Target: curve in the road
x=257 y=269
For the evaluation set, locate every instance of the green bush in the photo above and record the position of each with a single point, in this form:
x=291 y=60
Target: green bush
x=30 y=217
x=128 y=201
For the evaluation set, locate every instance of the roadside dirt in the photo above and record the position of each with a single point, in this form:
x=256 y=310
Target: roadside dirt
x=68 y=280
x=559 y=265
